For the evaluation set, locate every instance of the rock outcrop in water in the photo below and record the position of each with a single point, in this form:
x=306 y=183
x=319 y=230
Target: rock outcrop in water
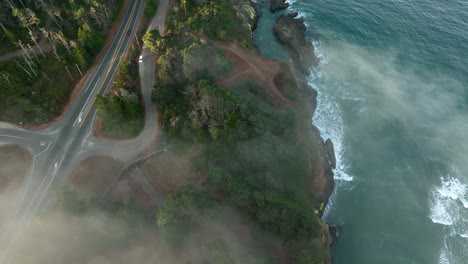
x=331 y=152
x=325 y=171
x=276 y=5
x=290 y=31
x=335 y=233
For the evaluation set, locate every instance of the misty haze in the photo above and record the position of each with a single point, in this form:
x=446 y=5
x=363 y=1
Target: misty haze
x=233 y=131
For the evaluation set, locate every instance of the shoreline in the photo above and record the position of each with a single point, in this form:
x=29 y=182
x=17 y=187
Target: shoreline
x=300 y=74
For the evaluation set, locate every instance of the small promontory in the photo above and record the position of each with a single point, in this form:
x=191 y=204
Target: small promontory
x=331 y=152
x=290 y=31
x=276 y=5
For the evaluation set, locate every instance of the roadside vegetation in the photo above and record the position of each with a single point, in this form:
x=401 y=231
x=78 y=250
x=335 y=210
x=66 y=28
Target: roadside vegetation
x=150 y=8
x=253 y=160
x=120 y=112
x=70 y=34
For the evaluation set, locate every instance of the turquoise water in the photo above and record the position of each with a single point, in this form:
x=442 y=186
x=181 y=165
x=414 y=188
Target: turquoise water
x=393 y=96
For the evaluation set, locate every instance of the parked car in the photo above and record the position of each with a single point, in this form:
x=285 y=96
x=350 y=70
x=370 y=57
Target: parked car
x=140 y=59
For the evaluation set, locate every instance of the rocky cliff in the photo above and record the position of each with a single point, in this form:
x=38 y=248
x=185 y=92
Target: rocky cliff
x=247 y=10
x=290 y=31
x=276 y=5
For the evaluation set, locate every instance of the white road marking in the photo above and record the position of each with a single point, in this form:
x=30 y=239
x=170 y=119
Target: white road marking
x=79 y=119
x=48 y=185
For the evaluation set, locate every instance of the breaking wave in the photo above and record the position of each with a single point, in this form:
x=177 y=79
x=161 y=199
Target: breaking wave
x=328 y=117
x=448 y=207
x=448 y=201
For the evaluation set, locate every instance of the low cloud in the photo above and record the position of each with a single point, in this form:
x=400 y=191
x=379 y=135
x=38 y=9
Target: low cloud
x=425 y=106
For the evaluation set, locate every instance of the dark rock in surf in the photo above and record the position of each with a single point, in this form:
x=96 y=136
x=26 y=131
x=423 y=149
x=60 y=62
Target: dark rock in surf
x=325 y=171
x=330 y=152
x=276 y=5
x=290 y=31
x=335 y=233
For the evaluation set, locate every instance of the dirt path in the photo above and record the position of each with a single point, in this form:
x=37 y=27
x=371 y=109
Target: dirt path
x=250 y=65
x=43 y=45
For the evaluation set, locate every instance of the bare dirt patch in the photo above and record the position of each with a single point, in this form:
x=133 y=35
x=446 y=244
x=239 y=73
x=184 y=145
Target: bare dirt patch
x=128 y=189
x=167 y=174
x=95 y=174
x=139 y=195
x=249 y=65
x=98 y=174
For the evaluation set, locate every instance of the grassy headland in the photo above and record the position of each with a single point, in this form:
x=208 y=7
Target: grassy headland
x=257 y=162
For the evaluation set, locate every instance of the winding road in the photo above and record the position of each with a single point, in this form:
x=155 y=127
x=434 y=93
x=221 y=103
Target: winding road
x=58 y=149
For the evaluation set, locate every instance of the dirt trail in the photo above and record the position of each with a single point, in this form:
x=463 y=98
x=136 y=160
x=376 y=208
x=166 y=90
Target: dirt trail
x=42 y=45
x=251 y=66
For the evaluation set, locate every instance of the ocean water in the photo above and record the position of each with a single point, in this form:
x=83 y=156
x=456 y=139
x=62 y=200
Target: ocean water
x=393 y=97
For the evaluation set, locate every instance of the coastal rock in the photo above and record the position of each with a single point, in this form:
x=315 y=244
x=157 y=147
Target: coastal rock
x=331 y=152
x=335 y=233
x=276 y=5
x=325 y=172
x=247 y=10
x=290 y=31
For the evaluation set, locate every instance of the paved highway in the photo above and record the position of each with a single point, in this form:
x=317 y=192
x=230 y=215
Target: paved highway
x=59 y=148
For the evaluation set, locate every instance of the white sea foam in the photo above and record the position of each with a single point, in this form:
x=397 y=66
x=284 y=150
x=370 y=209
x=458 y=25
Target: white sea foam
x=291 y=2
x=443 y=257
x=452 y=188
x=464 y=201
x=301 y=14
x=439 y=213
x=293 y=9
x=448 y=202
x=328 y=118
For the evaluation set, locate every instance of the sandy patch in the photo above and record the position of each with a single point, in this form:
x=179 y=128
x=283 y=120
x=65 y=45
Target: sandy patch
x=249 y=65
x=168 y=173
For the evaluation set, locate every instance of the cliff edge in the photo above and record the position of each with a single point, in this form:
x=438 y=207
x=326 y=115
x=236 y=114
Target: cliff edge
x=290 y=31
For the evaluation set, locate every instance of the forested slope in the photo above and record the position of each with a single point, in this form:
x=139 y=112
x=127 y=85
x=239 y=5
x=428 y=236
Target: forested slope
x=69 y=34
